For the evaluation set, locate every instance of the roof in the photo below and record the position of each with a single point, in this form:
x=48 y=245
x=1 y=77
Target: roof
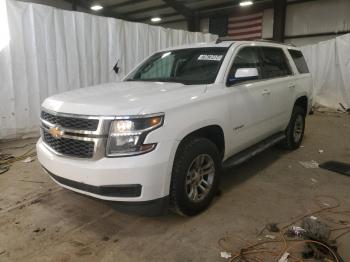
x=228 y=43
x=200 y=45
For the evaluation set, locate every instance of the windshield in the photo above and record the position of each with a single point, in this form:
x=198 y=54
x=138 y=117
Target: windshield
x=187 y=66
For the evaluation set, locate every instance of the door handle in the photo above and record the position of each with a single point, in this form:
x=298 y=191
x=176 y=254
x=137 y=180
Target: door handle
x=266 y=92
x=291 y=86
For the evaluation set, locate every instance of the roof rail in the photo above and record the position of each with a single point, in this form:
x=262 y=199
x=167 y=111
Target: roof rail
x=272 y=41
x=223 y=38
x=228 y=38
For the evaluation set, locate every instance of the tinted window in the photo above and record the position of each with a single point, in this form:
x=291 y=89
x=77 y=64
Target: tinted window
x=247 y=57
x=274 y=62
x=299 y=61
x=188 y=66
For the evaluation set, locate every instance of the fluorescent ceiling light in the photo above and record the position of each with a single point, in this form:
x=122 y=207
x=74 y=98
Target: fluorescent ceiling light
x=246 y=3
x=156 y=19
x=96 y=7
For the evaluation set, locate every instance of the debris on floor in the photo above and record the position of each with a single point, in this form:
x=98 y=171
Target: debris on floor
x=309 y=164
x=347 y=110
x=225 y=254
x=338 y=167
x=313 y=180
x=272 y=227
x=323 y=109
x=32 y=181
x=17 y=147
x=38 y=230
x=6 y=160
x=4 y=169
x=315 y=229
x=284 y=257
x=295 y=231
x=28 y=159
x=105 y=238
x=306 y=237
x=319 y=245
x=270 y=236
x=5 y=157
x=321 y=151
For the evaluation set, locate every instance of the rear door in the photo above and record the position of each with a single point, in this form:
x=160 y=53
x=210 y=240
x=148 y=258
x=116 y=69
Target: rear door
x=278 y=76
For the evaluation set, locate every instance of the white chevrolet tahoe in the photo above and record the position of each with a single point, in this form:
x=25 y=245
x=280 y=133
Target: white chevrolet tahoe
x=160 y=137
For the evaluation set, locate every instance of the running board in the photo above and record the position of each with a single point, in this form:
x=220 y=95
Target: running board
x=253 y=150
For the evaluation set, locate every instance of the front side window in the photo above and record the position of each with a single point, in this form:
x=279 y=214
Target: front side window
x=187 y=66
x=274 y=63
x=299 y=61
x=246 y=58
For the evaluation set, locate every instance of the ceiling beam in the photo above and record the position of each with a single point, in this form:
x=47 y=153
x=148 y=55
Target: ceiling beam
x=143 y=10
x=147 y=18
x=225 y=9
x=103 y=12
x=228 y=4
x=173 y=21
x=179 y=7
x=193 y=19
x=190 y=1
x=299 y=2
x=126 y=3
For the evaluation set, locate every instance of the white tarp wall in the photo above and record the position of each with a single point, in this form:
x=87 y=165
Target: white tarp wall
x=329 y=63
x=51 y=51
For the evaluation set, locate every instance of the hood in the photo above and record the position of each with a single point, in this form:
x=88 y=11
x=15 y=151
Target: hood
x=123 y=98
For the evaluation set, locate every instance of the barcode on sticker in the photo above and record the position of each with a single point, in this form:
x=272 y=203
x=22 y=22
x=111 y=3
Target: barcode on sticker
x=210 y=57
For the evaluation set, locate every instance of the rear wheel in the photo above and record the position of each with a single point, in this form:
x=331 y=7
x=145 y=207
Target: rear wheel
x=195 y=176
x=295 y=129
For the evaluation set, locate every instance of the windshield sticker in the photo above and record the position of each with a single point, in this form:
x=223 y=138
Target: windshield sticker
x=210 y=57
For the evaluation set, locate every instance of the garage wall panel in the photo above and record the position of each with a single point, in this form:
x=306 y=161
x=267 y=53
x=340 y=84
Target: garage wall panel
x=318 y=17
x=52 y=51
x=329 y=64
x=313 y=17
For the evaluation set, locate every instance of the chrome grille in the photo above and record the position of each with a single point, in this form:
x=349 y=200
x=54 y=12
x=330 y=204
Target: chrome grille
x=73 y=135
x=68 y=146
x=70 y=122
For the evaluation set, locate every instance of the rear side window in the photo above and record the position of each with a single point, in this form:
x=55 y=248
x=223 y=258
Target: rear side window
x=299 y=61
x=274 y=63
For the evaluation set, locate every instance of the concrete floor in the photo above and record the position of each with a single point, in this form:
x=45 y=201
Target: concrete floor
x=39 y=221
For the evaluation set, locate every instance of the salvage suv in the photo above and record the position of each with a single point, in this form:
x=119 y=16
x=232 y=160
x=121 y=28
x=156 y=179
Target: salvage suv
x=160 y=137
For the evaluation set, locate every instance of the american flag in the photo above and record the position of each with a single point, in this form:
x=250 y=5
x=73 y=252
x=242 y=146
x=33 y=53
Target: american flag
x=246 y=27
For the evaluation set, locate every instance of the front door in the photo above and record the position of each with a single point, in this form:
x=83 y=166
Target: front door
x=249 y=102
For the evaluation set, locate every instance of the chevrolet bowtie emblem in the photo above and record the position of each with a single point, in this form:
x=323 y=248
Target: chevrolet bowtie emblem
x=56 y=132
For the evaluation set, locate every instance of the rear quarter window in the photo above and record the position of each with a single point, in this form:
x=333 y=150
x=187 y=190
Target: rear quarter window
x=299 y=61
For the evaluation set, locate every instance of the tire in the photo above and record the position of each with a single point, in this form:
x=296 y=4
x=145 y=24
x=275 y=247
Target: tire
x=295 y=130
x=194 y=158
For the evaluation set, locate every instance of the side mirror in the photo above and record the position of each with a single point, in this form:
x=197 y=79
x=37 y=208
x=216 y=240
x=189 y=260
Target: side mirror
x=243 y=74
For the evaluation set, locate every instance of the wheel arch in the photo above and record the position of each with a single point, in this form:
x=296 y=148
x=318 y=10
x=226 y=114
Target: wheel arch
x=214 y=133
x=303 y=102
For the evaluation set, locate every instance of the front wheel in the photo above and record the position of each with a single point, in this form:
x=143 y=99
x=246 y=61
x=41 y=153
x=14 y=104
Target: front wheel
x=195 y=176
x=295 y=129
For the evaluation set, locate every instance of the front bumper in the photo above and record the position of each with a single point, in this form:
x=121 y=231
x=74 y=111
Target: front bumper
x=128 y=179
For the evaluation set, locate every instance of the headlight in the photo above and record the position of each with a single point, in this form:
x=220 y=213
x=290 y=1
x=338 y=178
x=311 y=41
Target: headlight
x=126 y=136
